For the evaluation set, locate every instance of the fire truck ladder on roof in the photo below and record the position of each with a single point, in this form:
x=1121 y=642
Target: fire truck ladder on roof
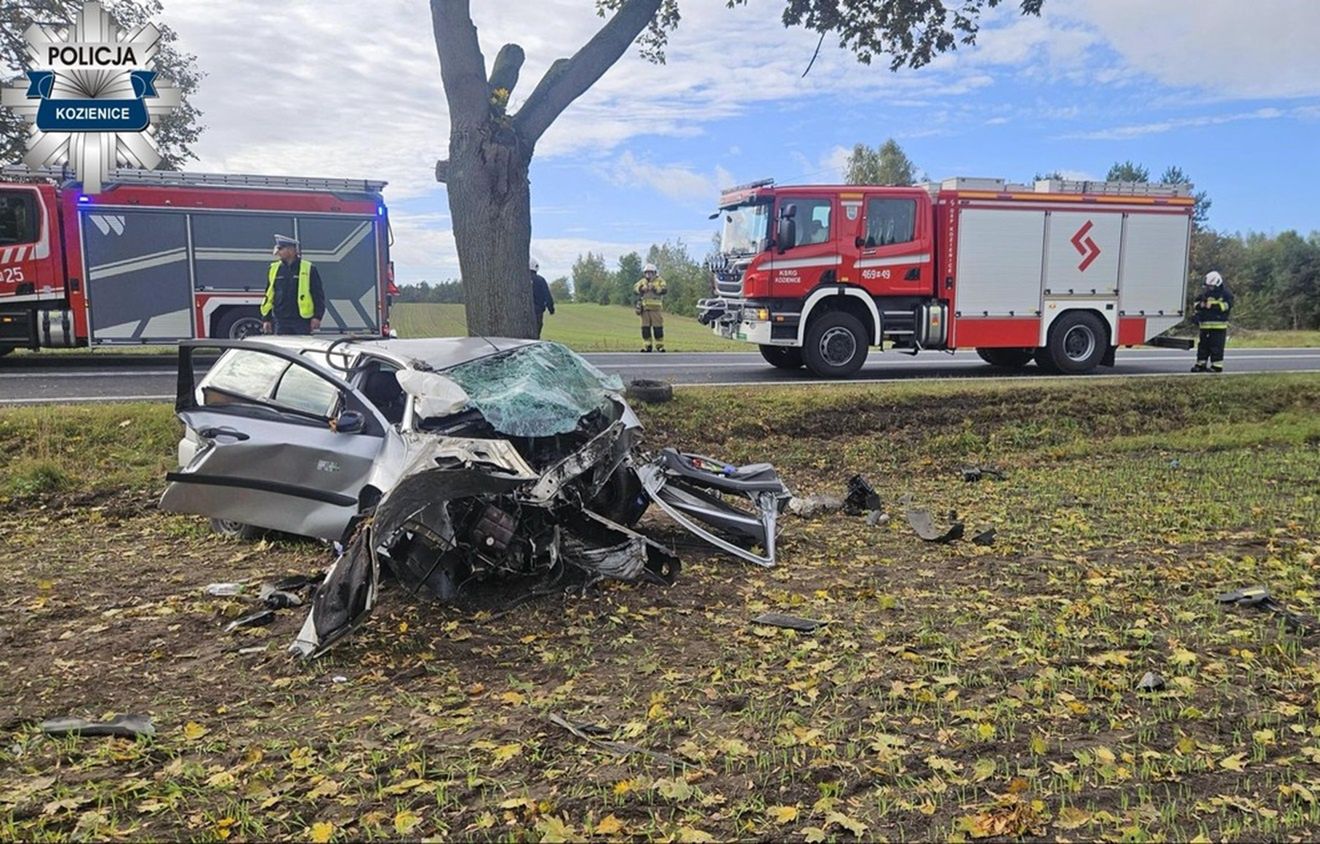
x=181 y=179
x=1070 y=186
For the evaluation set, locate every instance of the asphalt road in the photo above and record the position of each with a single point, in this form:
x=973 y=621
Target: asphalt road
x=105 y=377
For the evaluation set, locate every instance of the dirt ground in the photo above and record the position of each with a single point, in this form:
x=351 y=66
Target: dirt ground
x=957 y=691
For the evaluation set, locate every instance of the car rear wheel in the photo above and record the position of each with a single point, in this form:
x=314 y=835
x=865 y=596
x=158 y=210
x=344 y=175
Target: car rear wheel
x=1077 y=343
x=237 y=530
x=237 y=323
x=782 y=357
x=1007 y=358
x=836 y=345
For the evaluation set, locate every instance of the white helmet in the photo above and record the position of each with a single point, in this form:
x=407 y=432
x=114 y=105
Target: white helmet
x=533 y=265
x=649 y=268
x=1214 y=279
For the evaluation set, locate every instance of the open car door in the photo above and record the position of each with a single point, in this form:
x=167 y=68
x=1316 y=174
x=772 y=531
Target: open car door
x=272 y=441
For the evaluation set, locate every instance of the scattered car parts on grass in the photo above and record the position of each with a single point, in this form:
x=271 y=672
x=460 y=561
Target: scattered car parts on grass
x=789 y=622
x=861 y=498
x=924 y=525
x=122 y=726
x=972 y=474
x=1260 y=598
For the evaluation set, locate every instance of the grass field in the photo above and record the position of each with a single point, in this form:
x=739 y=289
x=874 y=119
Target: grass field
x=958 y=692
x=584 y=328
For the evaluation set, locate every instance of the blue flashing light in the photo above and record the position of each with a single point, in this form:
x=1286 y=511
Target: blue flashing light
x=84 y=199
x=380 y=210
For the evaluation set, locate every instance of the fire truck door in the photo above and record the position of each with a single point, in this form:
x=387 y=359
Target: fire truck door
x=813 y=251
x=25 y=232
x=895 y=249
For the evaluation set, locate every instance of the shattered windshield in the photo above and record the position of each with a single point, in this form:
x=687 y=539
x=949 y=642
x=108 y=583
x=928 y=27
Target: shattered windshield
x=745 y=229
x=534 y=391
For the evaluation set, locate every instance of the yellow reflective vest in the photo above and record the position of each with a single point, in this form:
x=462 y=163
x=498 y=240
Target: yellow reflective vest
x=306 y=307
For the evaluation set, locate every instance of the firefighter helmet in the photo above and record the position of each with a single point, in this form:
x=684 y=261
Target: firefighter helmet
x=649 y=268
x=1214 y=279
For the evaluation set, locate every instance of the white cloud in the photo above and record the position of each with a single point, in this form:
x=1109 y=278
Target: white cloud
x=676 y=181
x=1123 y=133
x=1226 y=47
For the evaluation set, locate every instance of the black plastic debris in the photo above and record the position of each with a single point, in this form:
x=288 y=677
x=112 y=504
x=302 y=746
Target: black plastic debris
x=790 y=622
x=296 y=582
x=972 y=474
x=862 y=498
x=278 y=599
x=1260 y=598
x=985 y=537
x=259 y=618
x=122 y=726
x=925 y=527
x=1150 y=682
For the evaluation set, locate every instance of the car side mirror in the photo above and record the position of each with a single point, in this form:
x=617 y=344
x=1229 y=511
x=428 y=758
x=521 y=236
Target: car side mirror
x=349 y=422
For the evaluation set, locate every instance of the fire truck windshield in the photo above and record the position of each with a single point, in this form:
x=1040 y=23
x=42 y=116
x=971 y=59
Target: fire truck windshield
x=746 y=228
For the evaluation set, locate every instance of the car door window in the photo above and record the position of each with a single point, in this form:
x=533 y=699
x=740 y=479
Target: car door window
x=890 y=221
x=246 y=374
x=302 y=389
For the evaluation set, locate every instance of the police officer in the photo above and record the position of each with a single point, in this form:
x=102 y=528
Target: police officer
x=1211 y=314
x=650 y=295
x=295 y=300
x=542 y=300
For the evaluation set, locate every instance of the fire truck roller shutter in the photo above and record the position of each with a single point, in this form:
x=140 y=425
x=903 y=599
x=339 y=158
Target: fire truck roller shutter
x=344 y=252
x=1152 y=276
x=138 y=281
x=232 y=250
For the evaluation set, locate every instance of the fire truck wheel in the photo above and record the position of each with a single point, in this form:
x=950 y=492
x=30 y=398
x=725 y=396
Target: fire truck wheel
x=237 y=530
x=782 y=357
x=237 y=323
x=1078 y=342
x=1007 y=358
x=836 y=345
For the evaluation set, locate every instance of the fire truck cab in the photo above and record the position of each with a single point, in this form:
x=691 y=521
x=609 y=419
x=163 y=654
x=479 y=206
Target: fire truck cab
x=1058 y=272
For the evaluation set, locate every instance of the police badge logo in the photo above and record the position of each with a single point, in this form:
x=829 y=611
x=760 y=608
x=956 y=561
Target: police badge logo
x=92 y=98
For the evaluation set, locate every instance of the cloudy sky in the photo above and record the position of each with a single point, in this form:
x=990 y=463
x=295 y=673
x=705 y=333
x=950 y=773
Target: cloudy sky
x=1227 y=90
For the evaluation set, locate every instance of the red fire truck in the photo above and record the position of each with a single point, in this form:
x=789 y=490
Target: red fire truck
x=160 y=256
x=1061 y=272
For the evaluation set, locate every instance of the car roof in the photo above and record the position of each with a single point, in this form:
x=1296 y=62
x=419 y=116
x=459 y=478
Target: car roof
x=430 y=352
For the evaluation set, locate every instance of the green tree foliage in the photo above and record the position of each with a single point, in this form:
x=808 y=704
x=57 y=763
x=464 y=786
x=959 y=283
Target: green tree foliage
x=446 y=292
x=886 y=165
x=687 y=280
x=1127 y=171
x=1276 y=280
x=175 y=134
x=592 y=281
x=1173 y=175
x=629 y=271
x=560 y=289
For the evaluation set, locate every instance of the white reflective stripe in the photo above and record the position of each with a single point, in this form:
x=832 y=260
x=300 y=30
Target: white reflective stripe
x=798 y=263
x=4 y=256
x=897 y=259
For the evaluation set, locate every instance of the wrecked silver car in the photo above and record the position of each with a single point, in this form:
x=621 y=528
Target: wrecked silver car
x=440 y=461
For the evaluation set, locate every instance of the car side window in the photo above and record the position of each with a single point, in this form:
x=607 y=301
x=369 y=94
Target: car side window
x=245 y=374
x=302 y=389
x=890 y=221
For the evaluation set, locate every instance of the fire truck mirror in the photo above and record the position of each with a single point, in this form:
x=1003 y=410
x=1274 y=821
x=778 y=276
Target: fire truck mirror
x=786 y=230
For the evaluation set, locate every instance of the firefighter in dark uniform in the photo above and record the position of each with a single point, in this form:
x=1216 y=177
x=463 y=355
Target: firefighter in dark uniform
x=542 y=299
x=295 y=300
x=650 y=293
x=1211 y=311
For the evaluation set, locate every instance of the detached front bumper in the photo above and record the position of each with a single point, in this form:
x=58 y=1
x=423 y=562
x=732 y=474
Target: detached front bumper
x=750 y=321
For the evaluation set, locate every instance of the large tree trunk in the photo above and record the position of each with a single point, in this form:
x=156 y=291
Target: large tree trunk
x=490 y=150
x=490 y=204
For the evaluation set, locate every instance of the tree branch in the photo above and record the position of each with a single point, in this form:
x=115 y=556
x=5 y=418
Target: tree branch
x=462 y=67
x=507 y=64
x=568 y=79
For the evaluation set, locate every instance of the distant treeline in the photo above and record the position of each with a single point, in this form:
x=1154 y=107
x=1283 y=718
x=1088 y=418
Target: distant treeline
x=1276 y=280
x=684 y=277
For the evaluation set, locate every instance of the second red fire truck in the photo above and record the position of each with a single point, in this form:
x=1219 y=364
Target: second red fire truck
x=160 y=256
x=1059 y=272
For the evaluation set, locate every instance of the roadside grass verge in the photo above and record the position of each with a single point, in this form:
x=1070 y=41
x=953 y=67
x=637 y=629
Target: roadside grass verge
x=581 y=327
x=958 y=692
